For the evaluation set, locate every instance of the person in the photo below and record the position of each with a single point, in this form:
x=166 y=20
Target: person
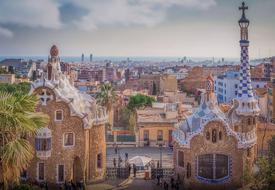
x=172 y=182
x=177 y=185
x=166 y=186
x=129 y=168
x=114 y=162
x=116 y=149
x=158 y=178
x=135 y=170
x=126 y=156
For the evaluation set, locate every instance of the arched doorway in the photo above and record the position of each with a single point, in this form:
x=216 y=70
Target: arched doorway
x=77 y=170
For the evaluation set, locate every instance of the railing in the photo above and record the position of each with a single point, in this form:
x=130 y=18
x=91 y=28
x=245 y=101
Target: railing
x=43 y=154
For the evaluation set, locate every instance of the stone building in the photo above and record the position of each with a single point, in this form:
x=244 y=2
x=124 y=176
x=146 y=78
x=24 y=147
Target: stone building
x=72 y=146
x=156 y=124
x=212 y=149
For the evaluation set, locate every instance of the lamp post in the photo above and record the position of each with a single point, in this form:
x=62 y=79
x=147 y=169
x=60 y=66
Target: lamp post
x=160 y=154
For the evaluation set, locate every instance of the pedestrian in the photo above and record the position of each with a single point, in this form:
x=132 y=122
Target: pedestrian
x=126 y=156
x=114 y=162
x=158 y=178
x=116 y=149
x=129 y=168
x=166 y=186
x=177 y=185
x=135 y=170
x=172 y=182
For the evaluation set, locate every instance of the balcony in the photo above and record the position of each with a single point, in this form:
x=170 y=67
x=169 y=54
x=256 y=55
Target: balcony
x=43 y=154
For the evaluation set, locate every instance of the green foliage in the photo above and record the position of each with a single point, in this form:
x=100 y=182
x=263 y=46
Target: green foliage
x=106 y=96
x=132 y=122
x=18 y=119
x=3 y=71
x=139 y=101
x=272 y=147
x=154 y=92
x=26 y=187
x=21 y=88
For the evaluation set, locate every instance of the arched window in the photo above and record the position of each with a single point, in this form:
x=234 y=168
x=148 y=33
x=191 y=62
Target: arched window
x=213 y=167
x=207 y=135
x=214 y=135
x=220 y=135
x=188 y=171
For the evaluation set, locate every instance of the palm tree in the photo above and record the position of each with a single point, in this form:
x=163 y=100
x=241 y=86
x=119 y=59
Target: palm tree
x=106 y=96
x=18 y=120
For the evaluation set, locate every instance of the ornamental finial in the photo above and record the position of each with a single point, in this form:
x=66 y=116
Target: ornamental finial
x=243 y=8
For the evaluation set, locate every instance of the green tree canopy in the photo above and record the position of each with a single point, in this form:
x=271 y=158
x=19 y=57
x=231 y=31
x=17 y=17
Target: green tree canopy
x=106 y=96
x=20 y=88
x=18 y=120
x=140 y=100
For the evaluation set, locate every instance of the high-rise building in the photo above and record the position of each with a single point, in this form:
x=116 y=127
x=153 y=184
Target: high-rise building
x=82 y=58
x=91 y=58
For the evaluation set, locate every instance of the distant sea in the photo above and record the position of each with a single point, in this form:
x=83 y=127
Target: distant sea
x=119 y=58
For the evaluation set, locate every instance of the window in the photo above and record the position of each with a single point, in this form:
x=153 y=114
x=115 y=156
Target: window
x=214 y=135
x=41 y=171
x=43 y=144
x=160 y=135
x=249 y=121
x=180 y=159
x=254 y=121
x=68 y=139
x=188 y=171
x=99 y=160
x=207 y=135
x=58 y=115
x=60 y=173
x=24 y=175
x=220 y=135
x=146 y=135
x=213 y=166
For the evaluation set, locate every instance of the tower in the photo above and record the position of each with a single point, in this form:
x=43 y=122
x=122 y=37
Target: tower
x=248 y=105
x=91 y=58
x=53 y=66
x=82 y=58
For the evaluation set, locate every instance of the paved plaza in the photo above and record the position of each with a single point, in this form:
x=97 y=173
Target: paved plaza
x=153 y=152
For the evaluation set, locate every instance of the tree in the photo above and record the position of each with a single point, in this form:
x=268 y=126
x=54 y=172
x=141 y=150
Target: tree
x=154 y=91
x=106 y=96
x=20 y=88
x=139 y=101
x=132 y=122
x=18 y=120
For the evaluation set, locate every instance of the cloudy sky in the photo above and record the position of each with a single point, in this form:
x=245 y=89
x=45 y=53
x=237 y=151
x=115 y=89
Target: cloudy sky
x=201 y=28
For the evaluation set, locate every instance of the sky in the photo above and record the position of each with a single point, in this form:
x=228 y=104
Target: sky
x=192 y=28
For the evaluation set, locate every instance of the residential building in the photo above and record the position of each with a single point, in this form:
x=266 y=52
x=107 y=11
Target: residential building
x=226 y=86
x=156 y=124
x=72 y=146
x=7 y=78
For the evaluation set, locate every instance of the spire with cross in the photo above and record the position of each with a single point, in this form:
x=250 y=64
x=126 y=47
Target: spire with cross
x=247 y=102
x=243 y=8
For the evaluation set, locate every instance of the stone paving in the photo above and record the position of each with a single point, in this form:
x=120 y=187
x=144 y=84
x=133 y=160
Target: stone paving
x=153 y=152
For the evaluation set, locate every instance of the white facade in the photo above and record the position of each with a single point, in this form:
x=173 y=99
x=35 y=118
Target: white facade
x=226 y=86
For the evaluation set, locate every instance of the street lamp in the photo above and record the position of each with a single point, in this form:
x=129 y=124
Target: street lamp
x=160 y=154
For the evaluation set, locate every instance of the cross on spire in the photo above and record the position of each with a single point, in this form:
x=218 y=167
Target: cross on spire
x=243 y=8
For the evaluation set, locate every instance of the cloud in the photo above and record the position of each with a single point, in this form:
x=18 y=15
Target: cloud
x=30 y=13
x=131 y=12
x=6 y=32
x=90 y=14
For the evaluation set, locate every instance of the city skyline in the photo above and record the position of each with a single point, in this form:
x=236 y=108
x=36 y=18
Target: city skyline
x=193 y=28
